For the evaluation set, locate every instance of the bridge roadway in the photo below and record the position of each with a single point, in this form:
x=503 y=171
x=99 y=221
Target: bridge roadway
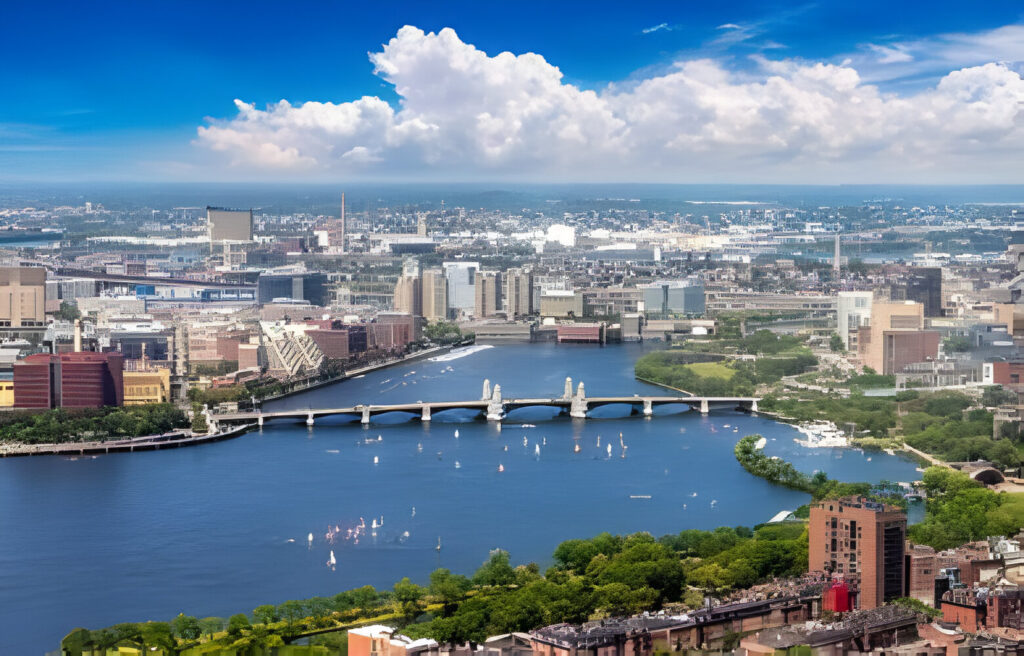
x=494 y=409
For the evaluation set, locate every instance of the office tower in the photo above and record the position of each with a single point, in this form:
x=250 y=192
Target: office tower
x=835 y=259
x=518 y=293
x=304 y=286
x=924 y=285
x=488 y=294
x=408 y=296
x=421 y=225
x=853 y=310
x=341 y=233
x=434 y=293
x=22 y=296
x=673 y=297
x=461 y=285
x=229 y=225
x=861 y=542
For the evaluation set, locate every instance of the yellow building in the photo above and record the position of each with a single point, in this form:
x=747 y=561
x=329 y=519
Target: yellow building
x=6 y=393
x=153 y=386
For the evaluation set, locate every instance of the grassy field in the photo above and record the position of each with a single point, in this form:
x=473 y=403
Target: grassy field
x=712 y=370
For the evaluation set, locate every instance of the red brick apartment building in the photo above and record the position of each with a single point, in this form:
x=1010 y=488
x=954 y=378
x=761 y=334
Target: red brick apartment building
x=861 y=542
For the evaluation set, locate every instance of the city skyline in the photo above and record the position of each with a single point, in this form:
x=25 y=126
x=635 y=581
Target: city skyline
x=818 y=93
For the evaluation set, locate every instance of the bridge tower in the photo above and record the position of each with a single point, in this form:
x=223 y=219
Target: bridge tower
x=578 y=410
x=704 y=409
x=365 y=419
x=486 y=396
x=495 y=407
x=648 y=408
x=425 y=414
x=567 y=394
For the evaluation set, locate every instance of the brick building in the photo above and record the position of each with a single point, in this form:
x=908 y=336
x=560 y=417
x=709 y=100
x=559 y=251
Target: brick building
x=861 y=542
x=69 y=380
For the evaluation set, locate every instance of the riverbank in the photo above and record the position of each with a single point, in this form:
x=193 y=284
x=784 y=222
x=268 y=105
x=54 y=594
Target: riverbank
x=183 y=438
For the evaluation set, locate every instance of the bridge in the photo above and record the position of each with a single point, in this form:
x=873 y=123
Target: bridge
x=492 y=406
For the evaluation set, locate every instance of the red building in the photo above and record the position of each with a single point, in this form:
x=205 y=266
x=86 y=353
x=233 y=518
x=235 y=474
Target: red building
x=588 y=333
x=1007 y=373
x=333 y=343
x=69 y=380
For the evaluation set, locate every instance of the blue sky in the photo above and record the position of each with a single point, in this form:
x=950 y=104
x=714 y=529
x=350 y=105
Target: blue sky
x=118 y=90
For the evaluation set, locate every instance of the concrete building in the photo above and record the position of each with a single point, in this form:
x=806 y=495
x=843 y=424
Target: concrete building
x=673 y=297
x=229 y=225
x=487 y=289
x=861 y=542
x=896 y=337
x=924 y=286
x=434 y=295
x=378 y=640
x=561 y=303
x=22 y=297
x=461 y=285
x=147 y=386
x=299 y=286
x=518 y=294
x=408 y=296
x=853 y=310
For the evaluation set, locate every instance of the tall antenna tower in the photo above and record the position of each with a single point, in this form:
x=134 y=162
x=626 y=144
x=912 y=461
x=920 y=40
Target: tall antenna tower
x=343 y=222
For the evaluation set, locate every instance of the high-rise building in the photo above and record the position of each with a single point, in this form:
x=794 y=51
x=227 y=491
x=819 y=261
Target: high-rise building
x=861 y=542
x=341 y=227
x=853 y=310
x=924 y=285
x=22 y=296
x=518 y=293
x=229 y=225
x=673 y=297
x=461 y=285
x=487 y=287
x=434 y=293
x=408 y=296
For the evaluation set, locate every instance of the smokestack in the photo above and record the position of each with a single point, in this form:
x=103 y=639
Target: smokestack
x=78 y=335
x=343 y=222
x=835 y=258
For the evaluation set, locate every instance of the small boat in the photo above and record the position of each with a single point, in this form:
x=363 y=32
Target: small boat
x=714 y=502
x=456 y=433
x=380 y=438
x=544 y=441
x=458 y=465
x=414 y=511
x=869 y=458
x=526 y=442
x=290 y=540
x=576 y=449
x=419 y=447
x=609 y=450
x=501 y=468
x=536 y=449
x=309 y=538
x=438 y=543
x=694 y=494
x=333 y=451
x=333 y=561
x=639 y=496
x=726 y=426
x=599 y=441
x=528 y=426
x=376 y=460
x=506 y=448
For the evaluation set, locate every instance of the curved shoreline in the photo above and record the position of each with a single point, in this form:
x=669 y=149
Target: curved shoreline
x=184 y=437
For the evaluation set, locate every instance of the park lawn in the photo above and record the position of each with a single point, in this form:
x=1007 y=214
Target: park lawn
x=712 y=370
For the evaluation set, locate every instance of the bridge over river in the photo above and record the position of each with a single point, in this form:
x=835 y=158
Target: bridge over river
x=493 y=406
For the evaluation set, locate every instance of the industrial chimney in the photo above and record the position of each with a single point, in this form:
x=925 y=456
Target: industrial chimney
x=78 y=335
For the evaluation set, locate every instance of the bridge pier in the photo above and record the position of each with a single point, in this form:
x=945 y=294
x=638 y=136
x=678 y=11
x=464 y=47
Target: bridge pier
x=366 y=415
x=648 y=408
x=753 y=405
x=309 y=419
x=704 y=406
x=259 y=421
x=425 y=415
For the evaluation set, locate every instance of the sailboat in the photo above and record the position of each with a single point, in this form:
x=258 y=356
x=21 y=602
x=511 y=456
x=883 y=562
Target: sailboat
x=309 y=538
x=609 y=450
x=599 y=441
x=456 y=433
x=376 y=460
x=544 y=440
x=419 y=447
x=501 y=467
x=526 y=442
x=576 y=449
x=536 y=449
x=333 y=561
x=458 y=465
x=439 y=543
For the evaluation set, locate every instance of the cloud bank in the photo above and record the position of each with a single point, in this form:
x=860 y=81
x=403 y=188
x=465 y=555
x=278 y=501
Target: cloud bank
x=464 y=114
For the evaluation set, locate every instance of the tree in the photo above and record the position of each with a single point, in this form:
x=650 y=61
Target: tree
x=448 y=588
x=157 y=634
x=956 y=344
x=237 y=624
x=496 y=571
x=995 y=395
x=67 y=312
x=835 y=343
x=186 y=627
x=211 y=625
x=409 y=598
x=266 y=614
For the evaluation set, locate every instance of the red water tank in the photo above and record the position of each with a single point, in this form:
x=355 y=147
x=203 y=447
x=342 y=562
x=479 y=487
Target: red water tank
x=836 y=598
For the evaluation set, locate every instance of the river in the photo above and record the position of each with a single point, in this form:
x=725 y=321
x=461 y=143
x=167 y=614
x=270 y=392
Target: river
x=221 y=528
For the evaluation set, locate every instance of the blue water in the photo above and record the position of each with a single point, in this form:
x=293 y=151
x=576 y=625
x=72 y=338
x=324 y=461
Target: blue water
x=206 y=530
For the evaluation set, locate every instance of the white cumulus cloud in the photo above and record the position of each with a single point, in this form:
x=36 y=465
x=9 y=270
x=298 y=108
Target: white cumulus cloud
x=466 y=114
